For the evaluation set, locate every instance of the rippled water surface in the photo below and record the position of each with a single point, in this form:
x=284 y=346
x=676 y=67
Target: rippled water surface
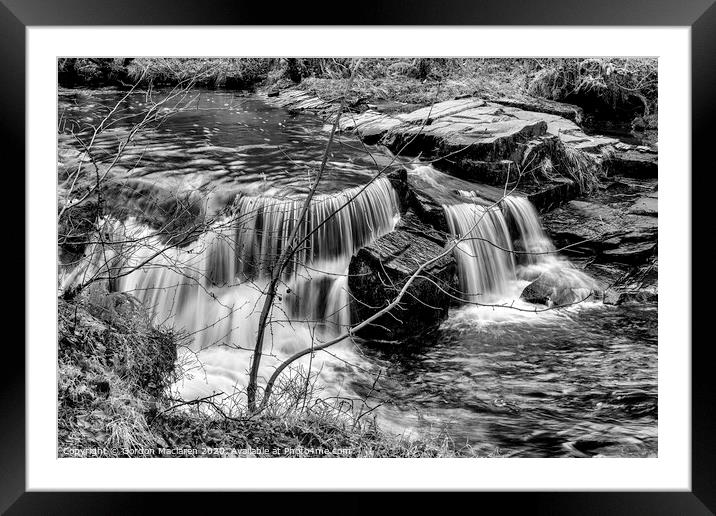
x=577 y=382
x=224 y=140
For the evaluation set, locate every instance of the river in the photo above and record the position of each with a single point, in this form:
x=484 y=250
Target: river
x=507 y=381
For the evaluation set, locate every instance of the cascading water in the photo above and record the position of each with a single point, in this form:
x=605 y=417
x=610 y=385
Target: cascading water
x=316 y=276
x=506 y=246
x=213 y=289
x=539 y=257
x=485 y=259
x=532 y=242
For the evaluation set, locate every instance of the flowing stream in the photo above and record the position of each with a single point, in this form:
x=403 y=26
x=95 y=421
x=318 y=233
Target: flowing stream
x=501 y=377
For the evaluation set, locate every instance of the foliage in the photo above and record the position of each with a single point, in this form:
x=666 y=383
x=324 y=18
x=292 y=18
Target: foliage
x=91 y=71
x=615 y=81
x=217 y=73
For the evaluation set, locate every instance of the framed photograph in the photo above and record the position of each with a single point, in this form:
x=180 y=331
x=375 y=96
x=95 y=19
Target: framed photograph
x=287 y=249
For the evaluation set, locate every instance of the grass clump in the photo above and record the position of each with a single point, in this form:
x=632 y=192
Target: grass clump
x=585 y=169
x=113 y=367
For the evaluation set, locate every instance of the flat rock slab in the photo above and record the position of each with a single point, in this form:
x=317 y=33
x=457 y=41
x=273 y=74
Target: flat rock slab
x=477 y=113
x=370 y=125
x=429 y=114
x=451 y=118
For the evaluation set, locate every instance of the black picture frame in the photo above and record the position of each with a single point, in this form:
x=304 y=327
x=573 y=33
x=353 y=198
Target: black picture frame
x=17 y=15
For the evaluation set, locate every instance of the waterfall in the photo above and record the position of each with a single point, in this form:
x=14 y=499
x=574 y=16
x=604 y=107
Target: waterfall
x=506 y=247
x=543 y=259
x=213 y=289
x=485 y=259
x=530 y=237
x=317 y=273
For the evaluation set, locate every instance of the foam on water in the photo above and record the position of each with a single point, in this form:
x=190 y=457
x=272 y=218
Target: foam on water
x=214 y=288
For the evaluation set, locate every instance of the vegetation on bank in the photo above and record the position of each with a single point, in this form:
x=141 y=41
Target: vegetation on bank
x=621 y=87
x=114 y=398
x=622 y=84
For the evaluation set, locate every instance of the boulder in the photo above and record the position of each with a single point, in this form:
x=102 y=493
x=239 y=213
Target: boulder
x=480 y=134
x=558 y=287
x=378 y=272
x=418 y=209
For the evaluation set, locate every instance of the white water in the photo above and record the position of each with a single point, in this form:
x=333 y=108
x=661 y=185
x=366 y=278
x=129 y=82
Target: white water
x=505 y=249
x=486 y=267
x=213 y=289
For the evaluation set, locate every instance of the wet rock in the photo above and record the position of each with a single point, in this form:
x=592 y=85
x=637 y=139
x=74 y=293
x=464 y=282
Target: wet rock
x=399 y=181
x=488 y=172
x=296 y=101
x=559 y=287
x=638 y=285
x=417 y=206
x=428 y=210
x=480 y=136
x=630 y=252
x=620 y=297
x=568 y=132
x=414 y=224
x=380 y=270
x=538 y=292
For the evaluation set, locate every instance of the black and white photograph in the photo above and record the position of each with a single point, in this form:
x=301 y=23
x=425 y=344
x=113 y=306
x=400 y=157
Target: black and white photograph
x=357 y=257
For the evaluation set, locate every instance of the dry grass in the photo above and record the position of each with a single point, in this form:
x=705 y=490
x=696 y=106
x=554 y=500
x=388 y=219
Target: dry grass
x=583 y=168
